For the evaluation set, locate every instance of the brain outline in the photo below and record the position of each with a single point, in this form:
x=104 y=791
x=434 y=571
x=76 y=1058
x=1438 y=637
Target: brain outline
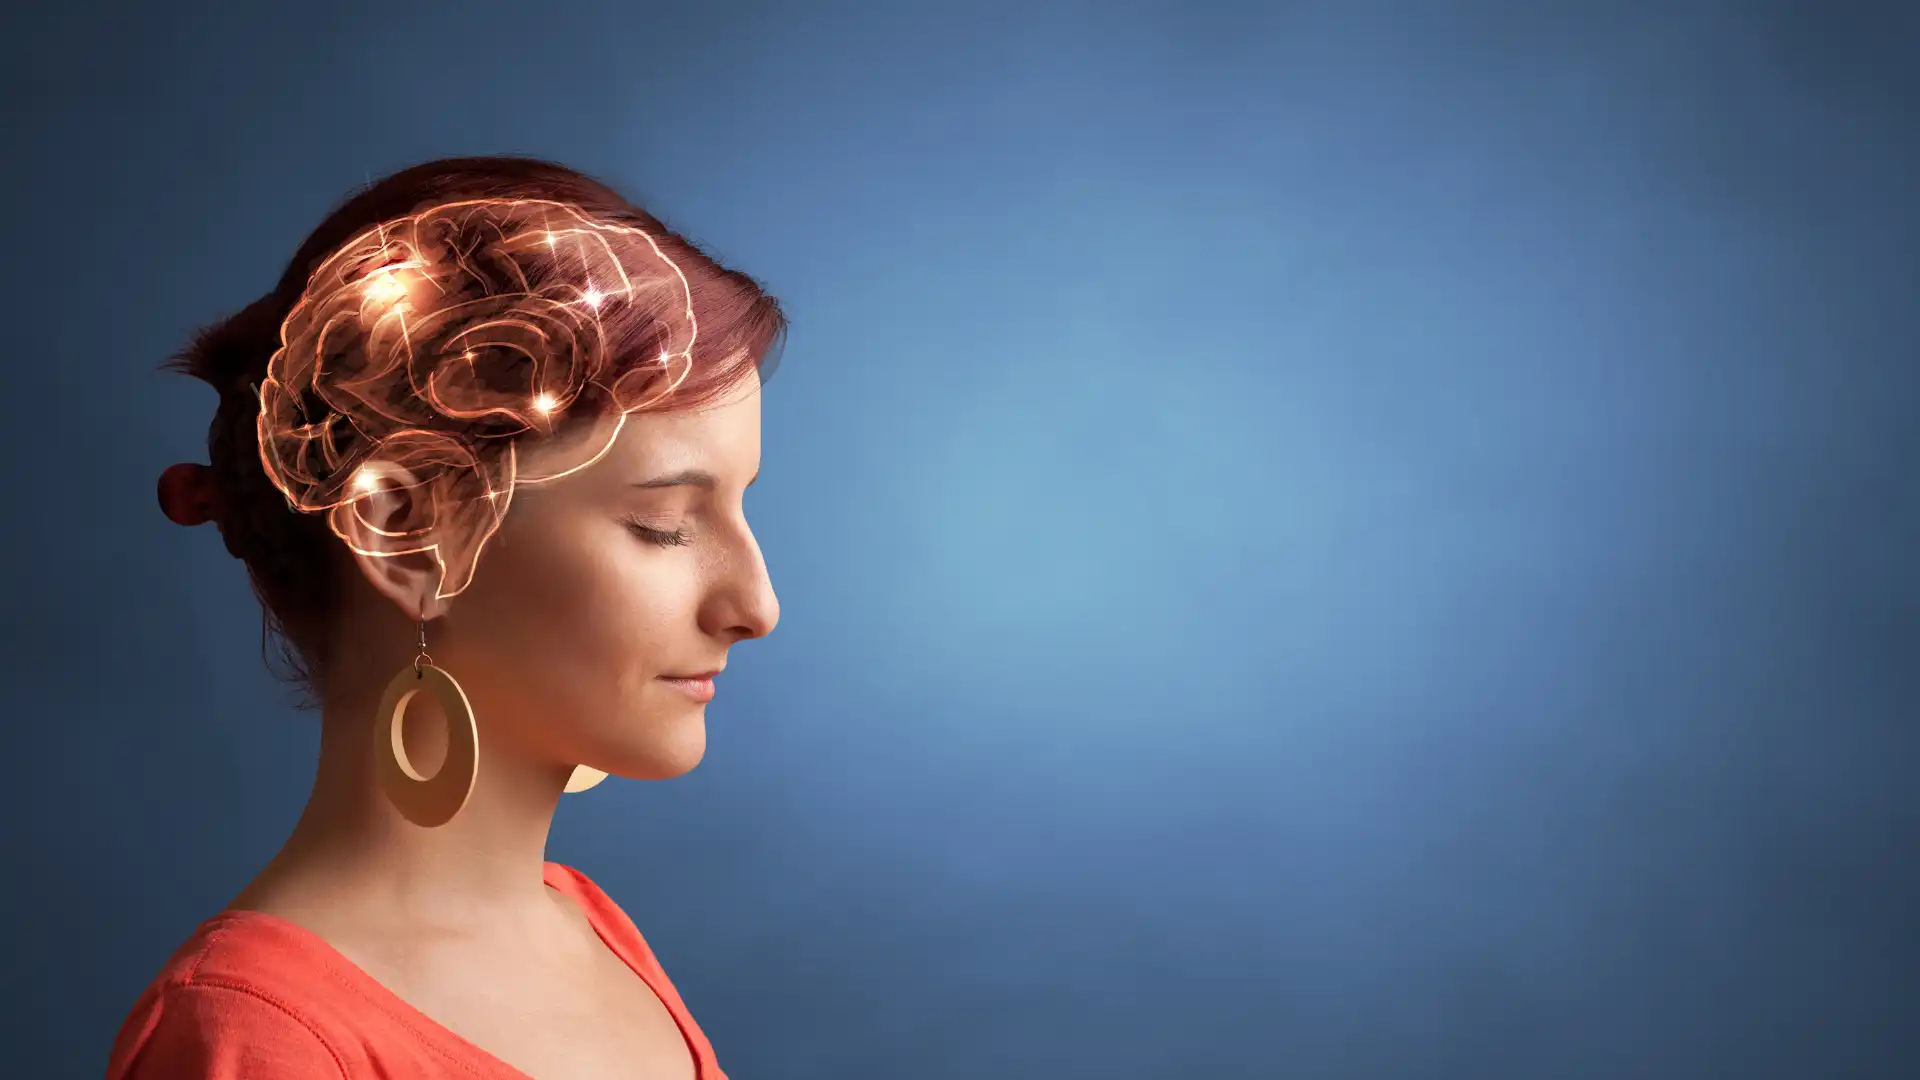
x=428 y=348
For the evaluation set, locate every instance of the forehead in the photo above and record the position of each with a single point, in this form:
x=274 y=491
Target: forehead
x=722 y=438
x=727 y=428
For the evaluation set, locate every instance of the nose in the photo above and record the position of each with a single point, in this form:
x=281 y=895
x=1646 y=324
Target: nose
x=743 y=604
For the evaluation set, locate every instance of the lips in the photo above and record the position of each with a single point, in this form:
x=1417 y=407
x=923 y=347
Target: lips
x=698 y=687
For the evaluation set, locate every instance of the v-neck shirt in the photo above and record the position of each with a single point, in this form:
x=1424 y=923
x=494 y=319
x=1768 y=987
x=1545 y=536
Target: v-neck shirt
x=252 y=996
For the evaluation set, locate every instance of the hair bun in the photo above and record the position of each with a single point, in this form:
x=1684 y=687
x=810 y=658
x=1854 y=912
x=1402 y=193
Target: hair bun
x=186 y=493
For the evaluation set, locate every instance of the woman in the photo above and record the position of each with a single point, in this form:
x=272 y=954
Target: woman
x=483 y=452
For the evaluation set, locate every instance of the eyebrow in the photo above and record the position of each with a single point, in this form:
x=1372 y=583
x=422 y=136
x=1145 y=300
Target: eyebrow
x=699 y=478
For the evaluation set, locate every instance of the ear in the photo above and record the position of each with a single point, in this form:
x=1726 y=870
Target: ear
x=389 y=530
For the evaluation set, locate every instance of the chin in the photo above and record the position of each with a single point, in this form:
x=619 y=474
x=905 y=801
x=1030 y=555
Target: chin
x=673 y=749
x=682 y=760
x=662 y=769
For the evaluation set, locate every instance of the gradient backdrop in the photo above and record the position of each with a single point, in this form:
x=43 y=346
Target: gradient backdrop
x=1316 y=540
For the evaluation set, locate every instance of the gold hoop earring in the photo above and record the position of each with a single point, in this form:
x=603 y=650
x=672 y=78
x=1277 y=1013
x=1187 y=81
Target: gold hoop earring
x=584 y=777
x=428 y=802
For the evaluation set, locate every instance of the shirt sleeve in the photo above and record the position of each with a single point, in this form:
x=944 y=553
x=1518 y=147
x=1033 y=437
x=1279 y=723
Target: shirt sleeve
x=213 y=1031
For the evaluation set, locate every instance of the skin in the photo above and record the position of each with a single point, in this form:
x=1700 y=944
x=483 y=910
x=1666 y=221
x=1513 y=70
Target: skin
x=560 y=643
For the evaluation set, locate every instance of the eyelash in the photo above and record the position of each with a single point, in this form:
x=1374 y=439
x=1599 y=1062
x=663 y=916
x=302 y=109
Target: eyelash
x=659 y=537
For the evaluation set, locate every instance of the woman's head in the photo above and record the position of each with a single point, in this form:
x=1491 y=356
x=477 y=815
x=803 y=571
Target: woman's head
x=452 y=405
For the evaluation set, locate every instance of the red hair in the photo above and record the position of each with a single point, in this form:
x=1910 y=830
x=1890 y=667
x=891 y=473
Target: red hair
x=291 y=555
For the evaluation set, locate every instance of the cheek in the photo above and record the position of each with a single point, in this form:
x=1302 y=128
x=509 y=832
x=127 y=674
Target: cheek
x=590 y=619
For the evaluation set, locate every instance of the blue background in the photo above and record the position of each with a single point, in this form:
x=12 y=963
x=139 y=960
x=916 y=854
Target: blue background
x=1321 y=540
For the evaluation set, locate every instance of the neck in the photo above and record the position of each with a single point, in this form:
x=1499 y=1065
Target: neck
x=351 y=850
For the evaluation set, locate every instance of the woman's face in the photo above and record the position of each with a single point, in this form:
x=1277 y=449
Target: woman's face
x=605 y=584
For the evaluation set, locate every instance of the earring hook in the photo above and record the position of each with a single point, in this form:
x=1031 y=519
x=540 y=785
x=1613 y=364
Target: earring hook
x=423 y=659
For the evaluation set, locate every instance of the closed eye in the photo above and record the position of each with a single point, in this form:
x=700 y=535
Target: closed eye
x=661 y=537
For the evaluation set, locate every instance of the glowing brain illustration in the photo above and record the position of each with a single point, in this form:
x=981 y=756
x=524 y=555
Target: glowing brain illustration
x=428 y=351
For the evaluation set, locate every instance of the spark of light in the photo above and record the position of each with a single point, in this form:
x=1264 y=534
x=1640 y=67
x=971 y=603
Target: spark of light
x=423 y=349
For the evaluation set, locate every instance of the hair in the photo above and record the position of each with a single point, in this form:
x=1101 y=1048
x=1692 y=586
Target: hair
x=271 y=520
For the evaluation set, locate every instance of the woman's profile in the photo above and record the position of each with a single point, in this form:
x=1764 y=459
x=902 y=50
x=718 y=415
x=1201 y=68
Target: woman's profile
x=483 y=452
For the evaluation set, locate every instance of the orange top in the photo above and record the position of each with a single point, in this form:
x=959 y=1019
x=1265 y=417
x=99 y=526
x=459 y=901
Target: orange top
x=254 y=997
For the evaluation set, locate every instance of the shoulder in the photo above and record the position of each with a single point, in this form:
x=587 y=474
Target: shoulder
x=620 y=934
x=230 y=1004
x=577 y=885
x=614 y=927
x=607 y=917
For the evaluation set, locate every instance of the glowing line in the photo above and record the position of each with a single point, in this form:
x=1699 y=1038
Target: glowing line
x=426 y=346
